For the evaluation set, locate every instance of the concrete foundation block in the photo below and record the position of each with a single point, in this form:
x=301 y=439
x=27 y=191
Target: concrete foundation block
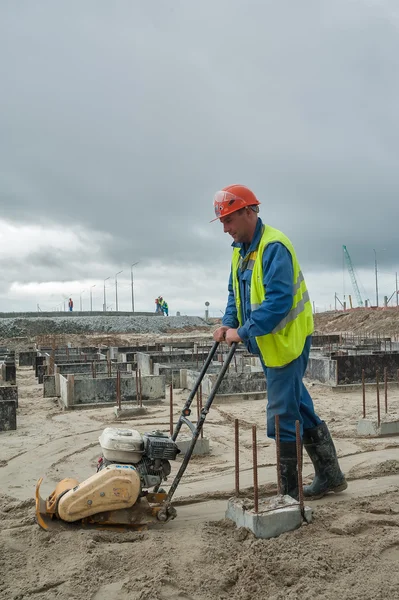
x=8 y=415
x=27 y=358
x=370 y=427
x=9 y=372
x=130 y=411
x=276 y=515
x=201 y=448
x=49 y=390
x=9 y=393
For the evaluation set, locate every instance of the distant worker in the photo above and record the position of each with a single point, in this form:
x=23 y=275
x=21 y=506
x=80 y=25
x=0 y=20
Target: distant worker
x=269 y=310
x=164 y=306
x=70 y=305
x=158 y=307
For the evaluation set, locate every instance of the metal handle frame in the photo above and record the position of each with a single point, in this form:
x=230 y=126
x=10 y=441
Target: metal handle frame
x=196 y=429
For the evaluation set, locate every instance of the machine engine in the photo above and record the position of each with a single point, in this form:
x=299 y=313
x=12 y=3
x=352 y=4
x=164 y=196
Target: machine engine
x=149 y=453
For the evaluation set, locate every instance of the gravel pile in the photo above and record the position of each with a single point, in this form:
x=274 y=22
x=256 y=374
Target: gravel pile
x=17 y=327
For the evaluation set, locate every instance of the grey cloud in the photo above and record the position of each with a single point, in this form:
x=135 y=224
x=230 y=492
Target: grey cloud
x=126 y=118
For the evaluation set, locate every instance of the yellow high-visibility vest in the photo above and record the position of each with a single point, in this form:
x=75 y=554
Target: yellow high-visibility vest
x=287 y=340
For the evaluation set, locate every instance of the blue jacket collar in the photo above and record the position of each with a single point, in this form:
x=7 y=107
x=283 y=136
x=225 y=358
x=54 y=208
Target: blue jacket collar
x=244 y=249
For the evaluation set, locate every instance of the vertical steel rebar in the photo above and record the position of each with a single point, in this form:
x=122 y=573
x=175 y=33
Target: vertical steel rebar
x=141 y=389
x=364 y=394
x=255 y=469
x=200 y=398
x=235 y=363
x=109 y=368
x=299 y=462
x=137 y=387
x=118 y=388
x=237 y=455
x=386 y=389
x=377 y=379
x=171 y=409
x=277 y=427
x=198 y=406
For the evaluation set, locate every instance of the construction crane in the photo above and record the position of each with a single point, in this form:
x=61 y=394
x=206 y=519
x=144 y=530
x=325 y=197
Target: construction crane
x=352 y=276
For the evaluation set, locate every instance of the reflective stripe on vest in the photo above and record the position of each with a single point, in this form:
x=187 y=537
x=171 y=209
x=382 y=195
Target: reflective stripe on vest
x=296 y=287
x=294 y=312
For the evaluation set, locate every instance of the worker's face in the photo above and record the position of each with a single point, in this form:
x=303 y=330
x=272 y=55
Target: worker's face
x=239 y=225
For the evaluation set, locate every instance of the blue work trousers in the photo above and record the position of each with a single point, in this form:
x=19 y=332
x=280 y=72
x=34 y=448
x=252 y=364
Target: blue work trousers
x=288 y=397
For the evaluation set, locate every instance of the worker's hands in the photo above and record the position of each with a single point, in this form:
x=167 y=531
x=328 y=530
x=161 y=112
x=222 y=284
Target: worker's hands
x=232 y=336
x=219 y=334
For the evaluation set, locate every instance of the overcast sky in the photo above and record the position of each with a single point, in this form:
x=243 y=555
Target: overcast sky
x=120 y=120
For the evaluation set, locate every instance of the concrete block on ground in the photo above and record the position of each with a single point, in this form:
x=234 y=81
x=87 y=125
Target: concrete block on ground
x=27 y=358
x=8 y=415
x=41 y=371
x=275 y=516
x=85 y=391
x=370 y=427
x=49 y=389
x=130 y=411
x=39 y=360
x=9 y=393
x=201 y=448
x=9 y=372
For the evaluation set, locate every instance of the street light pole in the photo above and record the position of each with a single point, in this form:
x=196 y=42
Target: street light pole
x=91 y=297
x=116 y=290
x=81 y=300
x=131 y=274
x=105 y=301
x=376 y=278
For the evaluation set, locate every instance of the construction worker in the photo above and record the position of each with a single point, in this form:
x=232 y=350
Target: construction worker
x=70 y=304
x=158 y=307
x=164 y=306
x=269 y=310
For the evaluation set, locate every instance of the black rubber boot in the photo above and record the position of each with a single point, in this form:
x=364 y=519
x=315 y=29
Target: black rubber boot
x=289 y=469
x=328 y=476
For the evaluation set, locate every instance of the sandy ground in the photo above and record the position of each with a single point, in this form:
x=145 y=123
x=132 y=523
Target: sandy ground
x=351 y=550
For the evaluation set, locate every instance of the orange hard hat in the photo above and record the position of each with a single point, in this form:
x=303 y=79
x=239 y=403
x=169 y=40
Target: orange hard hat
x=233 y=198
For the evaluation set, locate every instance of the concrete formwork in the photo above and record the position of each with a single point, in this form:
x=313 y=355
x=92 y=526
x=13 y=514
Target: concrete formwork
x=76 y=391
x=233 y=383
x=322 y=369
x=9 y=371
x=9 y=393
x=27 y=358
x=51 y=386
x=146 y=361
x=8 y=415
x=76 y=368
x=347 y=370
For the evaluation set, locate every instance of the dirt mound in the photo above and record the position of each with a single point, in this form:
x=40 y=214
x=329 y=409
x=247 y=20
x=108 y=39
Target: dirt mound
x=361 y=320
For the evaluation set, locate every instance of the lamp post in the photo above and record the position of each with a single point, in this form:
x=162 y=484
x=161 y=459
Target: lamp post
x=81 y=300
x=376 y=278
x=105 y=301
x=131 y=275
x=91 y=297
x=116 y=290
